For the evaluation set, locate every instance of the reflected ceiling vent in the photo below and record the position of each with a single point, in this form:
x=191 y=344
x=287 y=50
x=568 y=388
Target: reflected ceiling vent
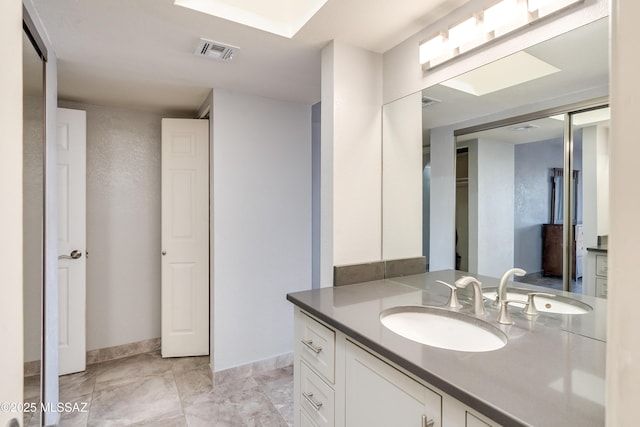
x=427 y=102
x=215 y=50
x=528 y=126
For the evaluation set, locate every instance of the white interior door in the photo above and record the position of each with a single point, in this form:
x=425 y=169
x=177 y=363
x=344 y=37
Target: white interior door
x=185 y=237
x=72 y=157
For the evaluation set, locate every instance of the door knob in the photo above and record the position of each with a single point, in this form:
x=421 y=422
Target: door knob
x=75 y=254
x=164 y=253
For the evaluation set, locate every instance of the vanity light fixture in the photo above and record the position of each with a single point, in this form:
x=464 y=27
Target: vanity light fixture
x=431 y=49
x=547 y=7
x=498 y=19
x=463 y=33
x=499 y=15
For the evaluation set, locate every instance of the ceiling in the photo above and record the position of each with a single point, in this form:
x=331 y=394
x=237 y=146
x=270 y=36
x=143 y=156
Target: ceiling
x=140 y=54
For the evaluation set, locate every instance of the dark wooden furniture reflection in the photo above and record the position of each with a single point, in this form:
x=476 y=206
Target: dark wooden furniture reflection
x=552 y=250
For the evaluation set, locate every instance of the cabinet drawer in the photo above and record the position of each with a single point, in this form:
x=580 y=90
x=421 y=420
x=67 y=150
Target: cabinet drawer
x=601 y=265
x=317 y=399
x=601 y=287
x=317 y=347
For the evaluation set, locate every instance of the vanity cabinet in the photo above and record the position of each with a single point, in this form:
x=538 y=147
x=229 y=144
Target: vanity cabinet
x=601 y=275
x=314 y=372
x=378 y=394
x=340 y=382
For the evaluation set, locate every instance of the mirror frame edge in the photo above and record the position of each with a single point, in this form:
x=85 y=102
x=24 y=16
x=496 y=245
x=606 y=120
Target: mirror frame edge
x=49 y=361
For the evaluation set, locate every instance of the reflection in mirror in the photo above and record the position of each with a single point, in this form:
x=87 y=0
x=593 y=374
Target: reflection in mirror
x=547 y=77
x=520 y=166
x=33 y=205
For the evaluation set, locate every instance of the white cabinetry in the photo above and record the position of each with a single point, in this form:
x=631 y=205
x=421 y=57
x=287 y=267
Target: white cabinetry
x=342 y=383
x=380 y=395
x=314 y=373
x=601 y=275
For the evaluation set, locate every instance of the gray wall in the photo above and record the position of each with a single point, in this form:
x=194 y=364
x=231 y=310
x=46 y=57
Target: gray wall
x=123 y=225
x=261 y=224
x=316 y=124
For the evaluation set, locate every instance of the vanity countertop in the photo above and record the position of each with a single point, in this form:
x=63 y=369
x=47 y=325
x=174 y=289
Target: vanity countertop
x=550 y=373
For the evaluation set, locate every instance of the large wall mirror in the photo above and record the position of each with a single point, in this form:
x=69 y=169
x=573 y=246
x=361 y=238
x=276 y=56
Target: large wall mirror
x=34 y=59
x=494 y=180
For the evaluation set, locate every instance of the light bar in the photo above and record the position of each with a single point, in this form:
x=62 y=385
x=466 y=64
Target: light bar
x=547 y=7
x=463 y=33
x=431 y=49
x=499 y=15
x=492 y=22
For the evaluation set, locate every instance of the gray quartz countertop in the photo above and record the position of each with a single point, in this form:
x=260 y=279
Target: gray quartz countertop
x=550 y=373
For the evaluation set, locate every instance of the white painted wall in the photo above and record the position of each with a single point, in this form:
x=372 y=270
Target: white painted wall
x=402 y=178
x=623 y=340
x=595 y=192
x=11 y=323
x=326 y=166
x=403 y=74
x=352 y=146
x=426 y=208
x=261 y=224
x=443 y=200
x=595 y=143
x=491 y=207
x=123 y=225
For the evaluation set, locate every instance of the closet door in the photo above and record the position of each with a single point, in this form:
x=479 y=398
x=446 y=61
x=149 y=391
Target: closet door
x=185 y=237
x=71 y=150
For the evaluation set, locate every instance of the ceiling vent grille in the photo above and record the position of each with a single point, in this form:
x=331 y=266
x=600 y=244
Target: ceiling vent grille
x=528 y=126
x=215 y=50
x=427 y=102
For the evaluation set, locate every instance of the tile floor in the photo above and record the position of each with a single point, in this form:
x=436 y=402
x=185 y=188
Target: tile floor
x=147 y=390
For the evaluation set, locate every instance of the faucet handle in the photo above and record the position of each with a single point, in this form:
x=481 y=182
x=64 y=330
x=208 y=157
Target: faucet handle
x=504 y=317
x=453 y=295
x=530 y=308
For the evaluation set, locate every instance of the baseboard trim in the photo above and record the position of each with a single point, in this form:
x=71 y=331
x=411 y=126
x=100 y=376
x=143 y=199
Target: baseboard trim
x=250 y=369
x=105 y=354
x=124 y=350
x=31 y=368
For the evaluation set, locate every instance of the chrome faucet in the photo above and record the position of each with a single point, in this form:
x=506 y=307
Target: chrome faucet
x=502 y=289
x=478 y=299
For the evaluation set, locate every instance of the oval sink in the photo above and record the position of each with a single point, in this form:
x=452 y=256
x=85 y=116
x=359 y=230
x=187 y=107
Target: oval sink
x=442 y=328
x=558 y=304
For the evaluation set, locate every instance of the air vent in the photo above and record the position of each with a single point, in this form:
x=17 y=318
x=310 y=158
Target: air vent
x=528 y=126
x=215 y=50
x=426 y=102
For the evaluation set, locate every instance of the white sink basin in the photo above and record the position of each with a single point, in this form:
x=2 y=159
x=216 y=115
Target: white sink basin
x=558 y=304
x=442 y=328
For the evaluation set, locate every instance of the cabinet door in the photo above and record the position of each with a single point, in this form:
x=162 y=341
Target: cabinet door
x=379 y=395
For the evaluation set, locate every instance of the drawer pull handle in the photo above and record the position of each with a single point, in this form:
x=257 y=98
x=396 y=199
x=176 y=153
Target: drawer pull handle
x=427 y=423
x=309 y=398
x=314 y=348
